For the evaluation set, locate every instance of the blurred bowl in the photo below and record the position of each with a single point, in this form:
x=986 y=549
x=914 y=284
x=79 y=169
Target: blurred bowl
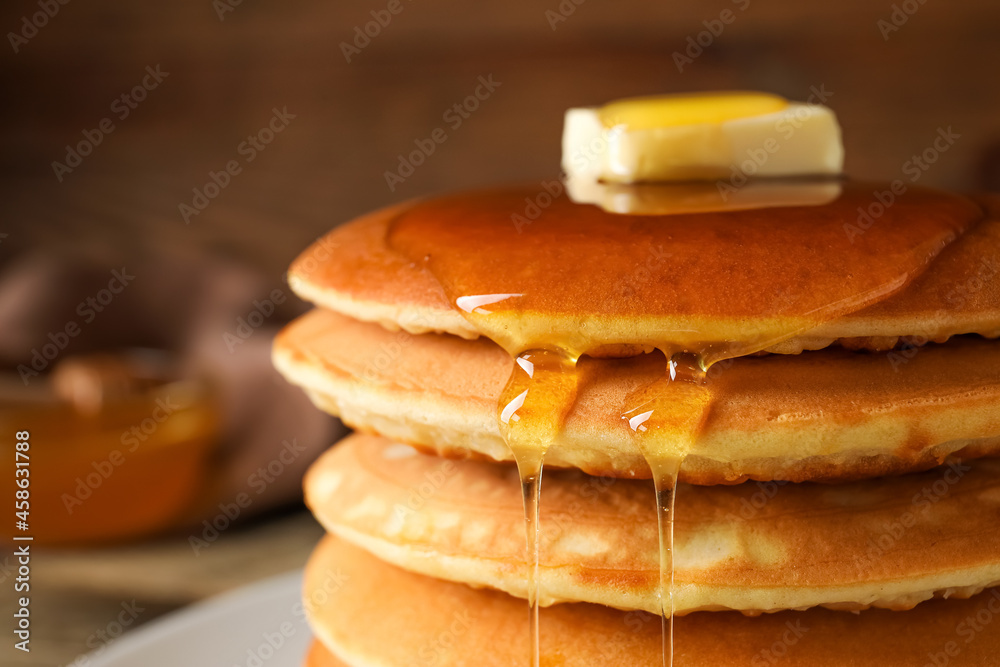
x=130 y=465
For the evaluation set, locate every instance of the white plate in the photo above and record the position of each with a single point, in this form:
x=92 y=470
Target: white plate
x=254 y=626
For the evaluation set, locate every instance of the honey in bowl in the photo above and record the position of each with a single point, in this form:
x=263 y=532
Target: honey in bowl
x=113 y=457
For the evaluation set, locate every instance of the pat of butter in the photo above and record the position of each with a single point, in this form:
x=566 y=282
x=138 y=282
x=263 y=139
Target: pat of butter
x=701 y=196
x=701 y=137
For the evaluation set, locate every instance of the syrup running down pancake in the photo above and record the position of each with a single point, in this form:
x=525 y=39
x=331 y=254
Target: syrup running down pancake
x=721 y=284
x=826 y=415
x=698 y=292
x=888 y=543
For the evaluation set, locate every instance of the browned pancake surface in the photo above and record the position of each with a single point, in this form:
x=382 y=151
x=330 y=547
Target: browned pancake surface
x=318 y=656
x=614 y=284
x=891 y=542
x=383 y=616
x=824 y=415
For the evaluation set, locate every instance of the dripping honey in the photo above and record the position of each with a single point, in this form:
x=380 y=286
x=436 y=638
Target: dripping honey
x=531 y=411
x=723 y=284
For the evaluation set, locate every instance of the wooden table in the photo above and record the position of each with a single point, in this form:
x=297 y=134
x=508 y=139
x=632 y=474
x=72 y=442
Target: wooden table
x=79 y=595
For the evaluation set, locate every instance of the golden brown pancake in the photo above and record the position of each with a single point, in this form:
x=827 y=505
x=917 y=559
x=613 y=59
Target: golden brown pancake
x=318 y=656
x=382 y=616
x=825 y=415
x=888 y=543
x=781 y=279
x=575 y=281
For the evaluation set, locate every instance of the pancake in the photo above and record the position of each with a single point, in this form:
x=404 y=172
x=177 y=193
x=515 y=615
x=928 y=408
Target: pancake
x=382 y=616
x=888 y=543
x=829 y=415
x=318 y=656
x=575 y=276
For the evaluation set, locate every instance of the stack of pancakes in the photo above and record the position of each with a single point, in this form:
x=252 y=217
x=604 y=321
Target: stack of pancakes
x=819 y=402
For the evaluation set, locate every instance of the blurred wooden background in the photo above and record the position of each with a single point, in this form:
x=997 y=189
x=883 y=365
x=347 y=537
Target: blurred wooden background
x=353 y=119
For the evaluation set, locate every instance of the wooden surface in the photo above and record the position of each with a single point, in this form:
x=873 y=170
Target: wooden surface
x=78 y=595
x=353 y=120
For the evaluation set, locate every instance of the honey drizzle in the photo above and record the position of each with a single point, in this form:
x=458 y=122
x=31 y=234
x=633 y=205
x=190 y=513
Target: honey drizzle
x=666 y=502
x=531 y=486
x=541 y=389
x=665 y=419
x=494 y=278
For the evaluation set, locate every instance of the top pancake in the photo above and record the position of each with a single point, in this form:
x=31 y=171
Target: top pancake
x=723 y=284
